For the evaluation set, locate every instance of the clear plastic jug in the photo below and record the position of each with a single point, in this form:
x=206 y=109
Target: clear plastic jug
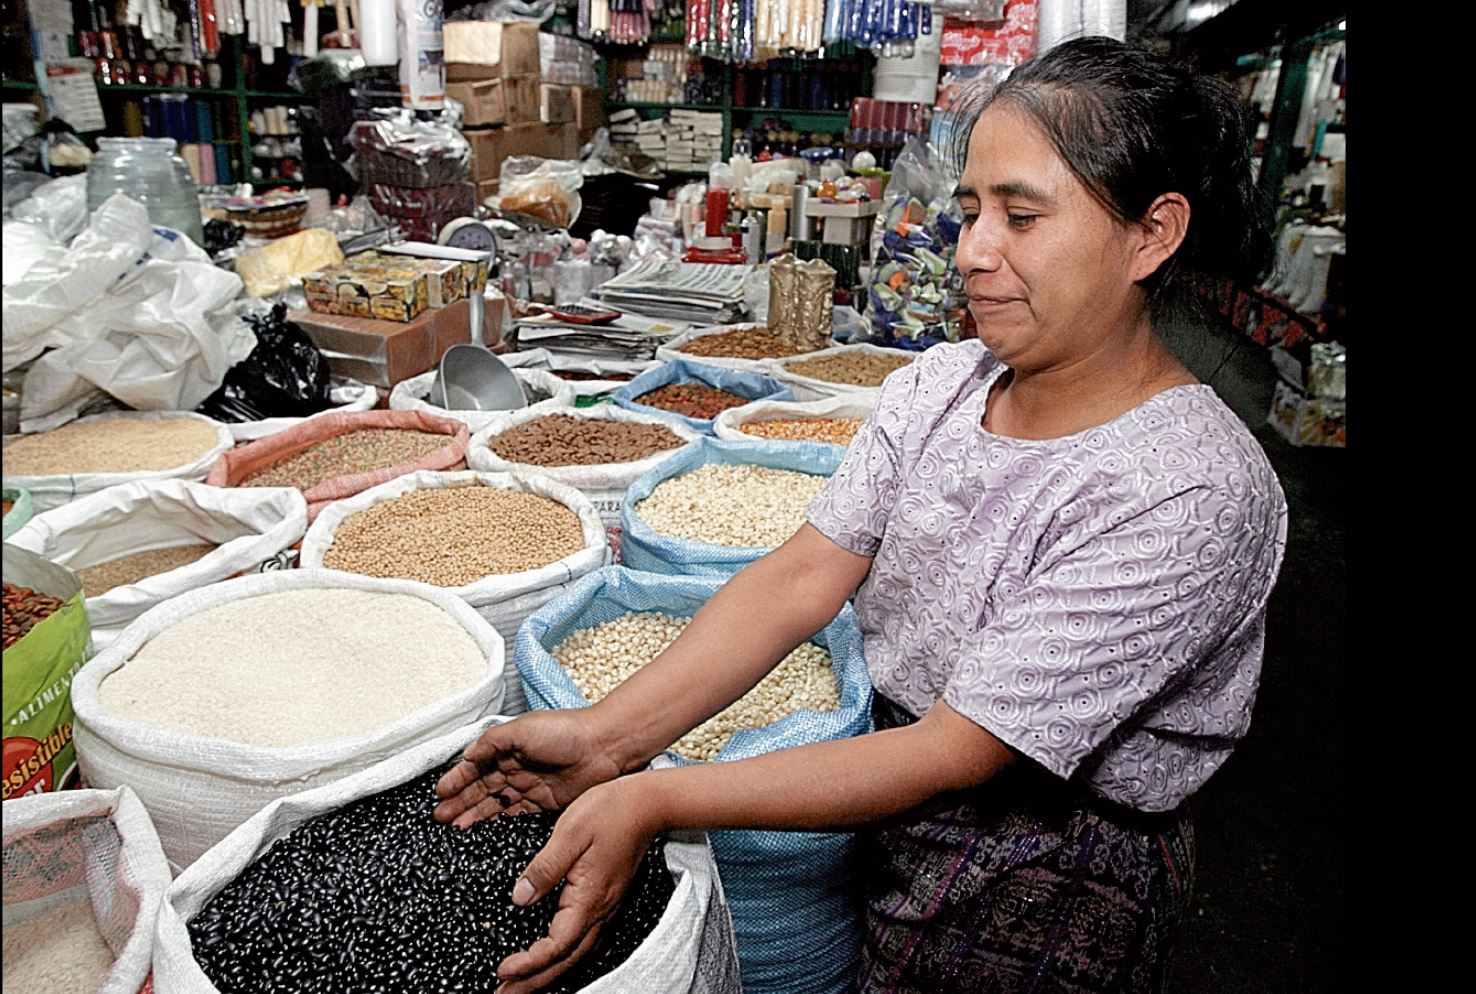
x=150 y=171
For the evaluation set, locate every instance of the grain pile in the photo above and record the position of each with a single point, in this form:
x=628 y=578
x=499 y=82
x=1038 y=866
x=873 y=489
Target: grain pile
x=58 y=951
x=693 y=400
x=742 y=343
x=836 y=431
x=296 y=666
x=353 y=452
x=454 y=536
x=564 y=440
x=736 y=505
x=858 y=369
x=24 y=609
x=101 y=578
x=601 y=658
x=114 y=445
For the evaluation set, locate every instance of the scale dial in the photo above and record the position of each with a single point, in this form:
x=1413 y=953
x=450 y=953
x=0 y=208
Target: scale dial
x=469 y=233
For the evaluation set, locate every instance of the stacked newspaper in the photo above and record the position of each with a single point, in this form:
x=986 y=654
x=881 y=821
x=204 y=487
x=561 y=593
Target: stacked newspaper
x=702 y=293
x=630 y=337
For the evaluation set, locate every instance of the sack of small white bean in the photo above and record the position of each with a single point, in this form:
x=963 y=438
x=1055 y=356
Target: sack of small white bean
x=843 y=371
x=137 y=545
x=793 y=910
x=833 y=421
x=92 y=454
x=715 y=506
x=396 y=929
x=599 y=451
x=506 y=543
x=222 y=699
x=544 y=390
x=84 y=880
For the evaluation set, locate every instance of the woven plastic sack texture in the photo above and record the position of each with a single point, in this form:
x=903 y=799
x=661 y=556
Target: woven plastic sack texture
x=672 y=351
x=729 y=425
x=236 y=465
x=810 y=388
x=96 y=846
x=504 y=601
x=794 y=908
x=198 y=789
x=751 y=386
x=544 y=390
x=20 y=512
x=350 y=398
x=643 y=548
x=690 y=951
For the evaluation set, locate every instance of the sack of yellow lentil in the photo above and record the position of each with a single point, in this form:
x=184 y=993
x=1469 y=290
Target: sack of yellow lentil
x=506 y=543
x=843 y=371
x=46 y=643
x=137 y=545
x=794 y=912
x=833 y=421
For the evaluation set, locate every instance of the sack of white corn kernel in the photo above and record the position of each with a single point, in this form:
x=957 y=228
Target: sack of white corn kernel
x=676 y=349
x=642 y=547
x=84 y=880
x=603 y=483
x=544 y=391
x=748 y=385
x=729 y=425
x=690 y=951
x=234 y=467
x=54 y=490
x=246 y=527
x=198 y=788
x=504 y=600
x=349 y=397
x=810 y=388
x=798 y=926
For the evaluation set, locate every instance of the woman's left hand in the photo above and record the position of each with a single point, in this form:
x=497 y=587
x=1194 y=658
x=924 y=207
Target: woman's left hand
x=596 y=848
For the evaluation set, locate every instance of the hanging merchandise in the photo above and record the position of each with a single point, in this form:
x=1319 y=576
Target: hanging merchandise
x=795 y=26
x=617 y=22
x=378 y=34
x=887 y=27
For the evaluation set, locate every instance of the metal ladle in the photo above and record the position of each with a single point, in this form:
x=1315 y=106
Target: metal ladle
x=470 y=378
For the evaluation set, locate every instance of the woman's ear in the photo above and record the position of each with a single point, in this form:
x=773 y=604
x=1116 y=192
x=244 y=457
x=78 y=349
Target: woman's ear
x=1164 y=225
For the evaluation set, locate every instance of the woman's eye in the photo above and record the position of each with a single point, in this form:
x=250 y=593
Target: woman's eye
x=970 y=217
x=1021 y=220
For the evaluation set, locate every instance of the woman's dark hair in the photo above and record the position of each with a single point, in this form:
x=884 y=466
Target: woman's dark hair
x=1133 y=125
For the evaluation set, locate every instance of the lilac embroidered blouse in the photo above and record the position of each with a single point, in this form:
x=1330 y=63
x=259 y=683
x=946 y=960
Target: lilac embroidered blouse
x=1097 y=602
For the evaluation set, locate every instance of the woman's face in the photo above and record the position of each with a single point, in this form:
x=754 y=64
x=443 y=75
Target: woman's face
x=1048 y=270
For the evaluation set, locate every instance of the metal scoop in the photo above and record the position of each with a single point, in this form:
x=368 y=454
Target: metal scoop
x=472 y=379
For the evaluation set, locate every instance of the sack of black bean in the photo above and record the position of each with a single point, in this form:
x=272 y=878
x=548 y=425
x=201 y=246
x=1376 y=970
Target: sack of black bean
x=797 y=924
x=354 y=887
x=84 y=879
x=222 y=699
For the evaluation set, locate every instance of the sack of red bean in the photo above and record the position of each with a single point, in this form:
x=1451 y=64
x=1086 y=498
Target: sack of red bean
x=46 y=642
x=359 y=869
x=84 y=879
x=694 y=394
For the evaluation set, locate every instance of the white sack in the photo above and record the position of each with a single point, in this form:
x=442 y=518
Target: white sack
x=673 y=350
x=809 y=388
x=410 y=395
x=23 y=245
x=198 y=789
x=251 y=526
x=603 y=483
x=727 y=424
x=123 y=875
x=348 y=398
x=60 y=207
x=690 y=951
x=53 y=491
x=505 y=600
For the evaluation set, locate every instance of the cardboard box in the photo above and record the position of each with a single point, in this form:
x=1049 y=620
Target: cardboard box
x=492 y=145
x=589 y=108
x=385 y=352
x=484 y=100
x=486 y=49
x=445 y=279
x=522 y=98
x=556 y=104
x=485 y=189
x=389 y=293
x=474 y=266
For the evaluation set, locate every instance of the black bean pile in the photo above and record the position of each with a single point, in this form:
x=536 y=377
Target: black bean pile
x=379 y=897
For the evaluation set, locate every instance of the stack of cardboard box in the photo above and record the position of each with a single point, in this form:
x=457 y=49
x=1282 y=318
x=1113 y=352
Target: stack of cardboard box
x=492 y=68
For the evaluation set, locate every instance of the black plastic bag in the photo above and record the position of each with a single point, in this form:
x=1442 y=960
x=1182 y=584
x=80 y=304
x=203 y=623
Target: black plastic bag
x=221 y=235
x=285 y=376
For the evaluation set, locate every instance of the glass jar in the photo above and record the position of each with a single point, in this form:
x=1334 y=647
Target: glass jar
x=150 y=171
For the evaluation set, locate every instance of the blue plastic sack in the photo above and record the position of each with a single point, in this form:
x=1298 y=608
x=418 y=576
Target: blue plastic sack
x=643 y=548
x=796 y=911
x=750 y=385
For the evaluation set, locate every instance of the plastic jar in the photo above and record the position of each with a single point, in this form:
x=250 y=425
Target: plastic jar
x=150 y=171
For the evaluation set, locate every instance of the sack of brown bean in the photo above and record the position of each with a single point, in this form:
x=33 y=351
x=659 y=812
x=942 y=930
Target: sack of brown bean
x=833 y=421
x=348 y=397
x=544 y=391
x=715 y=507
x=749 y=347
x=845 y=370
x=92 y=454
x=599 y=451
x=218 y=701
x=688 y=950
x=790 y=892
x=84 y=881
x=137 y=545
x=694 y=394
x=506 y=543
x=335 y=456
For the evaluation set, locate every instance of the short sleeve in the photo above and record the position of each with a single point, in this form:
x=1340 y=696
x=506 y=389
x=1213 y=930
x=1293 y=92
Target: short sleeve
x=853 y=508
x=1121 y=619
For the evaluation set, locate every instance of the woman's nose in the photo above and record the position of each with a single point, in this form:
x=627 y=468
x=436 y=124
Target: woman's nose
x=978 y=248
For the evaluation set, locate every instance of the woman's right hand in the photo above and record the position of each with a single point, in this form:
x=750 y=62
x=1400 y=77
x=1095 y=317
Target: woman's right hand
x=540 y=761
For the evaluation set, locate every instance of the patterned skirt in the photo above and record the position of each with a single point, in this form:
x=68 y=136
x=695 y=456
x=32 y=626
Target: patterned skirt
x=1026 y=885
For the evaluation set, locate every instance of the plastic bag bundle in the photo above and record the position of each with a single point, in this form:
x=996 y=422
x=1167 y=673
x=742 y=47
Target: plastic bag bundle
x=750 y=386
x=798 y=926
